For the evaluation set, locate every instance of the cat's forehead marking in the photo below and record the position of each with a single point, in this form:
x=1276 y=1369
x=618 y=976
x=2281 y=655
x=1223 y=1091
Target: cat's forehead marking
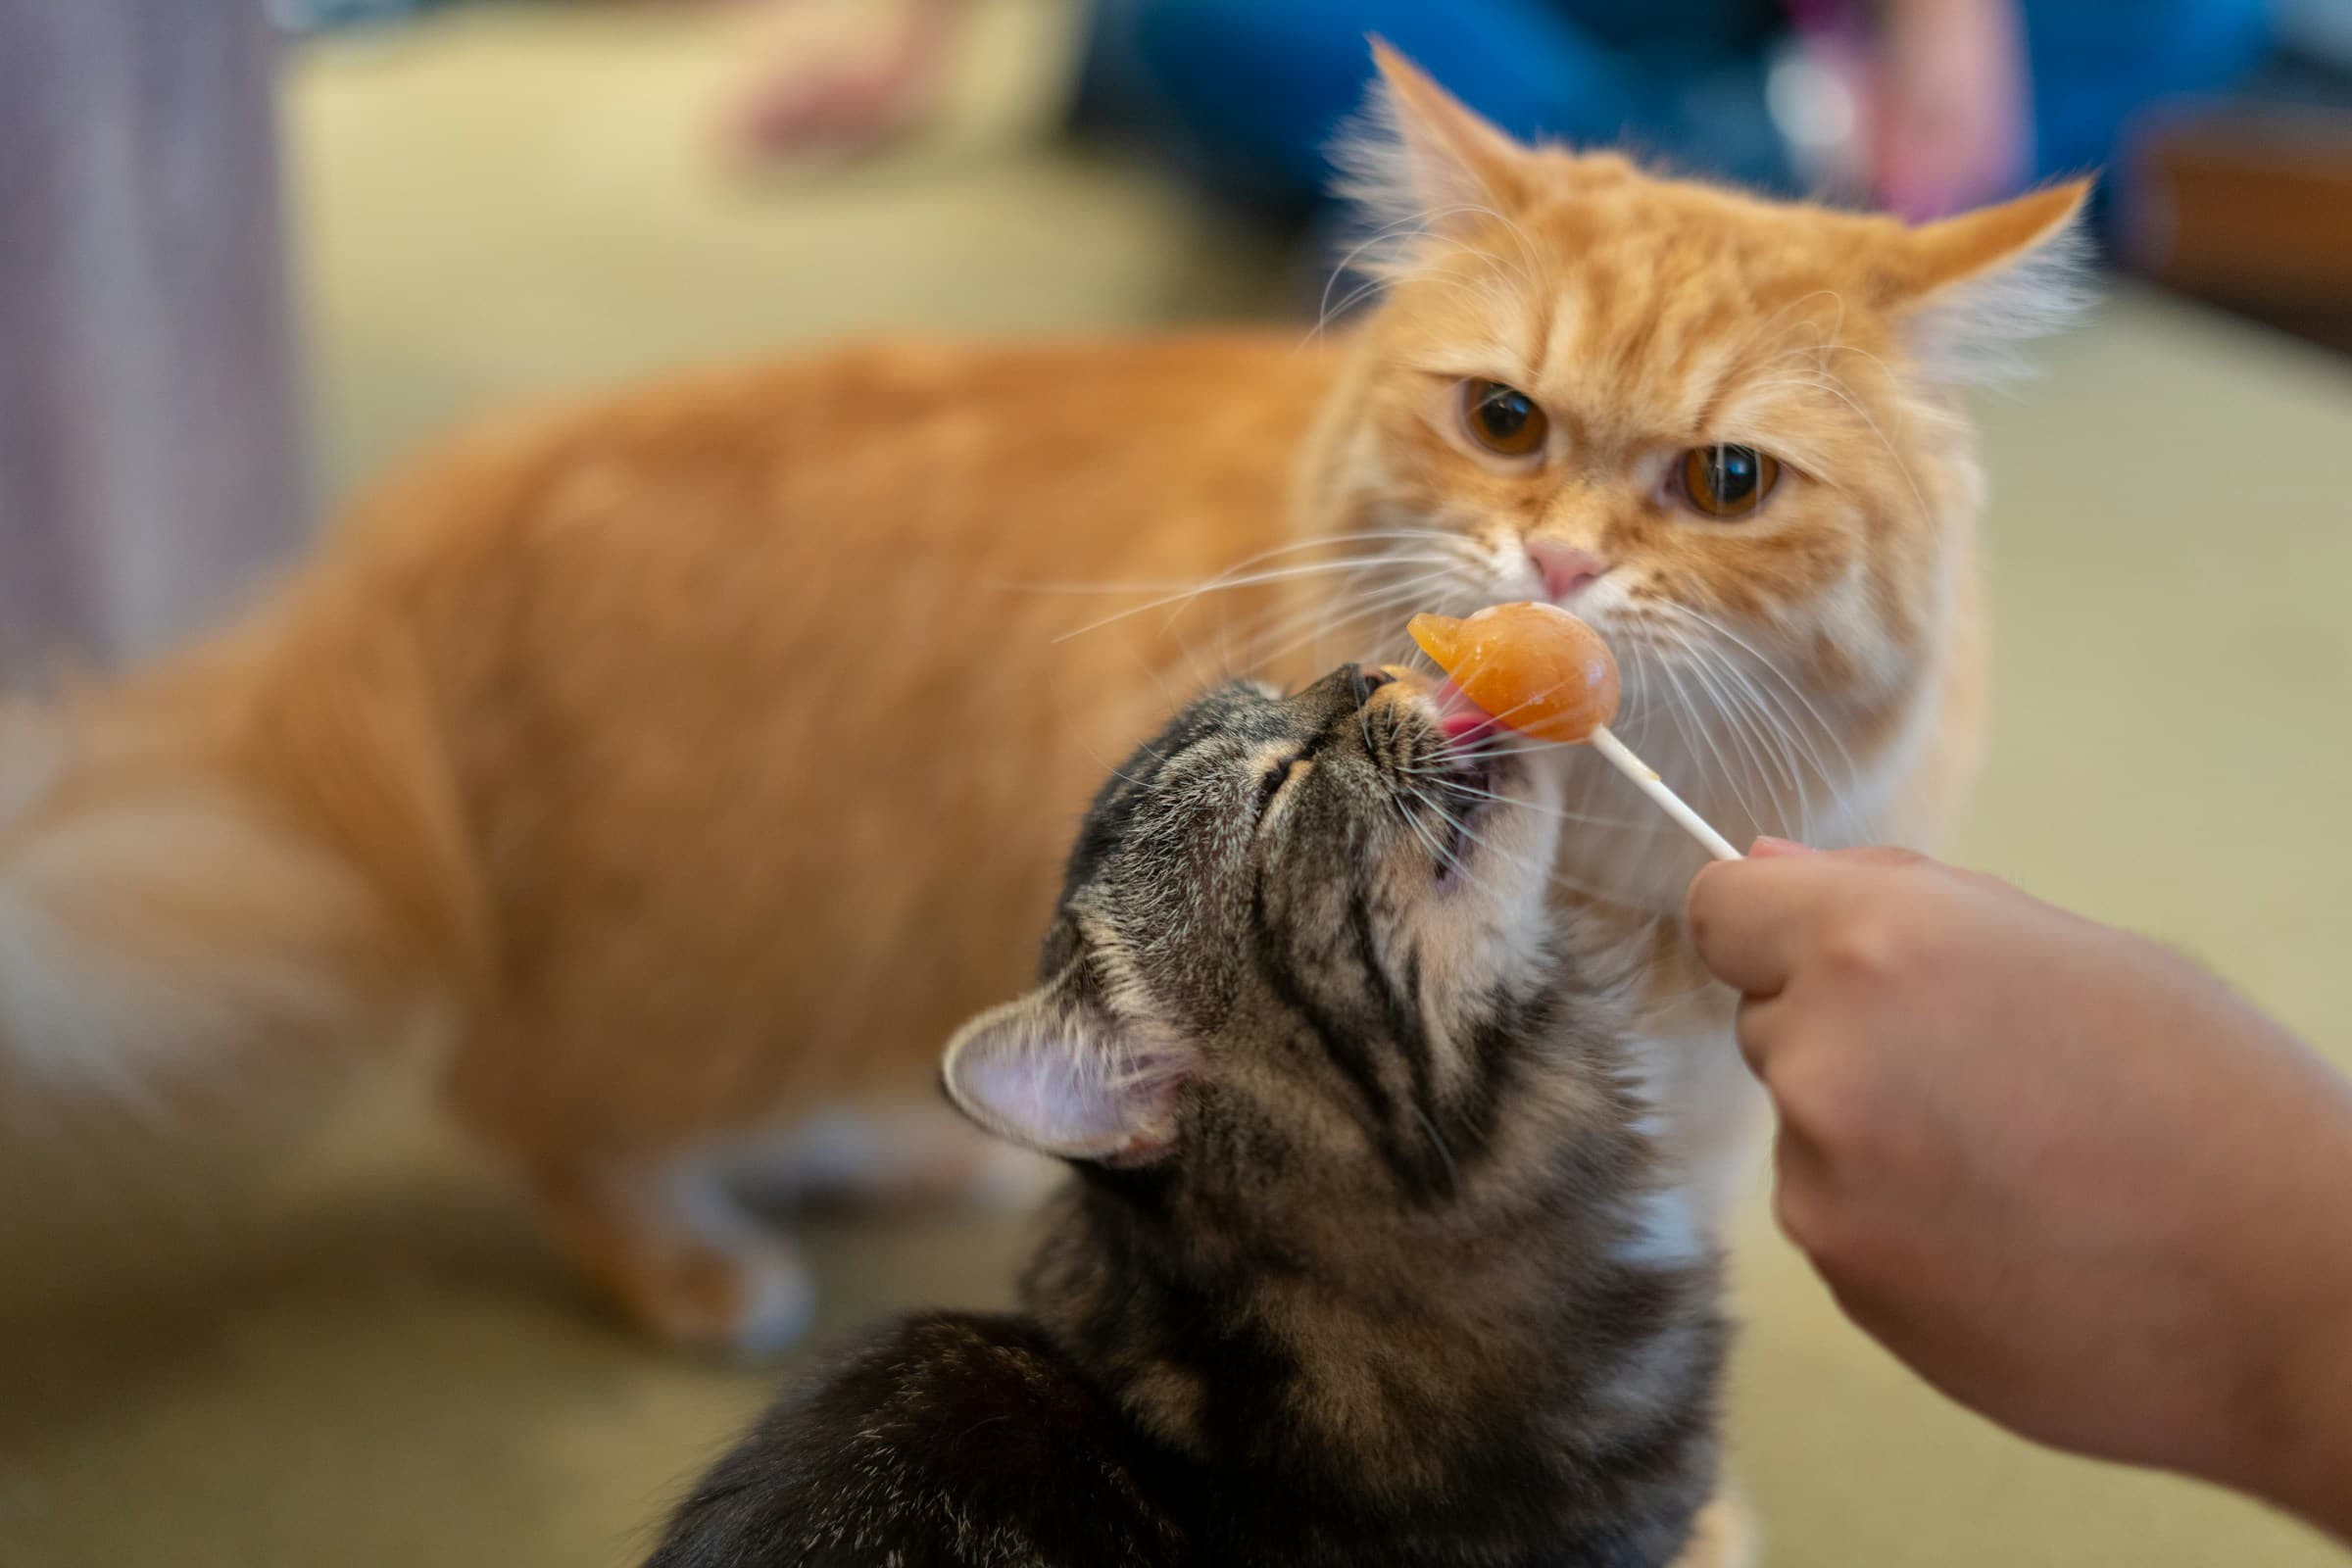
x=1264 y=754
x=1647 y=315
x=1109 y=959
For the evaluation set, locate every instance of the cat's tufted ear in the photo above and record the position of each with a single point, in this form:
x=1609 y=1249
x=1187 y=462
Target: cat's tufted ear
x=1418 y=156
x=1971 y=288
x=1056 y=1072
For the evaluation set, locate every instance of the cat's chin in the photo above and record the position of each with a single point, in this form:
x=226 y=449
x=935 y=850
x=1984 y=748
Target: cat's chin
x=1641 y=870
x=1617 y=848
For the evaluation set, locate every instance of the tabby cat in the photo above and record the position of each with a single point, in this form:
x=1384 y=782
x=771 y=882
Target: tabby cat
x=643 y=751
x=1367 y=1259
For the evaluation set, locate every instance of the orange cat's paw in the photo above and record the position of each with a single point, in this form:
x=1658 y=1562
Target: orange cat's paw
x=752 y=1299
x=672 y=1249
x=1726 y=1536
x=922 y=1155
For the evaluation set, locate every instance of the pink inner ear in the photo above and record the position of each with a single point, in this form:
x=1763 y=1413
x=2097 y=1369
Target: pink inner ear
x=1051 y=1084
x=1040 y=1097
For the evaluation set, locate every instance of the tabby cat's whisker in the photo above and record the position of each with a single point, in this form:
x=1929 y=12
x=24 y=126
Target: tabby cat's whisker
x=1454 y=866
x=1437 y=778
x=1439 y=852
x=1557 y=876
x=1454 y=1177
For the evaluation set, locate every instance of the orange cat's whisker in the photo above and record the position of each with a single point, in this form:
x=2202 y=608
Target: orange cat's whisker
x=1312 y=625
x=1184 y=585
x=1258 y=579
x=1813 y=721
x=1683 y=705
x=1766 y=750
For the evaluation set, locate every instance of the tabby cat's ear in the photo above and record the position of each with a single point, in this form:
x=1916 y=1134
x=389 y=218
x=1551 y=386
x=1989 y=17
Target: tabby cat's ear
x=1973 y=287
x=1418 y=156
x=1056 y=1072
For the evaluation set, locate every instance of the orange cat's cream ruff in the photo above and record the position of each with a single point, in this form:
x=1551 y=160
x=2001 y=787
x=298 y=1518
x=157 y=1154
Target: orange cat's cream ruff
x=703 y=755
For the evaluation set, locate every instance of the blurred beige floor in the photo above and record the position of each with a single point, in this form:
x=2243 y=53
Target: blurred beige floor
x=372 y=1364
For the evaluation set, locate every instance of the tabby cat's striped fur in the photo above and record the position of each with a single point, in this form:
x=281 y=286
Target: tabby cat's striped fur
x=1366 y=1260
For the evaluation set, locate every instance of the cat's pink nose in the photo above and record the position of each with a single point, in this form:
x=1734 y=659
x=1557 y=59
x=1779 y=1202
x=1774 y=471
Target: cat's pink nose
x=1564 y=568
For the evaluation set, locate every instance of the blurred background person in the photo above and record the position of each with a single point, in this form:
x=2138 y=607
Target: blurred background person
x=1921 y=106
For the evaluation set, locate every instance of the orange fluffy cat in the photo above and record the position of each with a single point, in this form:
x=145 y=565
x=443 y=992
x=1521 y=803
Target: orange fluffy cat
x=699 y=758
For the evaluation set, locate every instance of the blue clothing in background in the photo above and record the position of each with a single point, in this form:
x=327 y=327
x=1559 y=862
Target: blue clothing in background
x=2097 y=63
x=1247 y=94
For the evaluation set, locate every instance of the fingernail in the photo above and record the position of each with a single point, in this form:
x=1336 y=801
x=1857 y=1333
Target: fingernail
x=1771 y=849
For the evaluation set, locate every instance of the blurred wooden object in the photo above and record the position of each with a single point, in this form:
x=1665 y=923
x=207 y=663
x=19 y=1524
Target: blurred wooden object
x=149 y=455
x=2251 y=209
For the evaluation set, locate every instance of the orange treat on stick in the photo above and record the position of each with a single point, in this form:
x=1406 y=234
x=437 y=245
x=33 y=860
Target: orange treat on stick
x=1549 y=676
x=1535 y=668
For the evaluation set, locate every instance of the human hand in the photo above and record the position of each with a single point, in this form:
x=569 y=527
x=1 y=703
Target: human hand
x=831 y=98
x=2067 y=1176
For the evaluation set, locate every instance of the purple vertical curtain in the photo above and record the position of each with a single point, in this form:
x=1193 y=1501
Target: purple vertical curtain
x=149 y=453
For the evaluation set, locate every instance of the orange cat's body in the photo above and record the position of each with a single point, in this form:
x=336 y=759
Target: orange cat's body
x=702 y=757
x=751 y=695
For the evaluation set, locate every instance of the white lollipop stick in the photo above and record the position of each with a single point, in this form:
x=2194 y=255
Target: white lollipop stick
x=1646 y=779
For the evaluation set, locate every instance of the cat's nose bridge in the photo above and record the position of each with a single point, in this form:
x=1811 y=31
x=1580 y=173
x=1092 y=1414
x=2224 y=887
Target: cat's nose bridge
x=1363 y=682
x=1330 y=710
x=1598 y=520
x=1344 y=690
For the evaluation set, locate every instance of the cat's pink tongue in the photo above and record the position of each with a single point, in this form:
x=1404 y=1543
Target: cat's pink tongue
x=1459 y=718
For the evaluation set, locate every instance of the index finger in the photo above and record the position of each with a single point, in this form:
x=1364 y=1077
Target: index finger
x=1749 y=918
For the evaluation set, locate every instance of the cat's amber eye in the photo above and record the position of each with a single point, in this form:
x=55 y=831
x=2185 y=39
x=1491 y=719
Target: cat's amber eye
x=1503 y=418
x=1727 y=481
